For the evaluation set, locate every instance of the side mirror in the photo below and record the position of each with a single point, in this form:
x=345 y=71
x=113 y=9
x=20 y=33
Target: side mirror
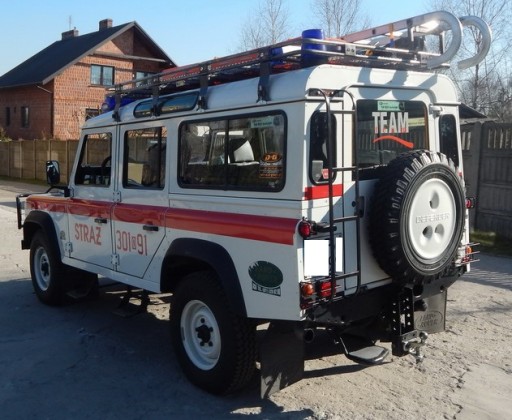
x=52 y=172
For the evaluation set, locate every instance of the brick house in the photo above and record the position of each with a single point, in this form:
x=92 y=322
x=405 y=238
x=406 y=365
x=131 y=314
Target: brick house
x=51 y=94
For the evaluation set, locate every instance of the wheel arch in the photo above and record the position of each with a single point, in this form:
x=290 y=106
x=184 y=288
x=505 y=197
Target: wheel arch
x=186 y=255
x=37 y=220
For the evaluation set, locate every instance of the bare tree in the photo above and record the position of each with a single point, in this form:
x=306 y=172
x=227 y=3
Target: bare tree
x=487 y=86
x=266 y=25
x=339 y=17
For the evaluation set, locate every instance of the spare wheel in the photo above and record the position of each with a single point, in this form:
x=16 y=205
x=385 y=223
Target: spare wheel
x=417 y=216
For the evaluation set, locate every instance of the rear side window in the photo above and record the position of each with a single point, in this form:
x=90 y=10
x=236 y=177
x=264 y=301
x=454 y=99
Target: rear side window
x=448 y=137
x=387 y=128
x=318 y=147
x=245 y=153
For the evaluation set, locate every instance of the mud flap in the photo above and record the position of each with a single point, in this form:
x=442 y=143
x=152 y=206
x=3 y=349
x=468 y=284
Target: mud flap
x=431 y=318
x=281 y=356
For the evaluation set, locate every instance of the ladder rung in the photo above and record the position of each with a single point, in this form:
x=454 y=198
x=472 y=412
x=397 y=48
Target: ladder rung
x=345 y=219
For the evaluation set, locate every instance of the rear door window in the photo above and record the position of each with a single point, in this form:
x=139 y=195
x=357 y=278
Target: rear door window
x=387 y=128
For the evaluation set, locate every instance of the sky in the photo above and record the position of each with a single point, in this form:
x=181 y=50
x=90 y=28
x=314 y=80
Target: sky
x=189 y=31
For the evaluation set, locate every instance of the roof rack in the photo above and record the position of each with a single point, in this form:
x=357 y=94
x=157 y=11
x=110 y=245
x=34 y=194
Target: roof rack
x=397 y=45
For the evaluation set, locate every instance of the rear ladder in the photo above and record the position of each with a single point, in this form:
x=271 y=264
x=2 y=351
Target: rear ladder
x=344 y=219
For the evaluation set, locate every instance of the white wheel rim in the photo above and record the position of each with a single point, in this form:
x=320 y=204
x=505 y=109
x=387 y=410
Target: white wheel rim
x=42 y=269
x=200 y=335
x=432 y=219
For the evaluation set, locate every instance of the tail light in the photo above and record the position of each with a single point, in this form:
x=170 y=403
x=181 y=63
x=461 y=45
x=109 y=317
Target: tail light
x=305 y=228
x=470 y=202
x=322 y=289
x=325 y=289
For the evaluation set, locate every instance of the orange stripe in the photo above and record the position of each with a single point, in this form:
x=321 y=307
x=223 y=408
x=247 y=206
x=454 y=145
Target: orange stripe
x=403 y=142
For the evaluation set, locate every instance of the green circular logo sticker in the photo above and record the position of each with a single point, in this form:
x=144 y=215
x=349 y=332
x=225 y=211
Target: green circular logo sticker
x=266 y=277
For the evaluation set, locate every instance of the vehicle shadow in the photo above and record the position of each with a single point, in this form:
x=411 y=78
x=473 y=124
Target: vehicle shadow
x=83 y=360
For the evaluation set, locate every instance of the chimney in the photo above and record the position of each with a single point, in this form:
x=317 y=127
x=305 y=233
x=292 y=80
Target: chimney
x=73 y=33
x=105 y=24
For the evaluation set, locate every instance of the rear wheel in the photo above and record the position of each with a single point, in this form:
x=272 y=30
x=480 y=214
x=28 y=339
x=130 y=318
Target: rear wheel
x=215 y=347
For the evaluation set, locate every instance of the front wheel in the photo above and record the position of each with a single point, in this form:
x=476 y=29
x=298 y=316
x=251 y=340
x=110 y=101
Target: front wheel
x=46 y=270
x=215 y=347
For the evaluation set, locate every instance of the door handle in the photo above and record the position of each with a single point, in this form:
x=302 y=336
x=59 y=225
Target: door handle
x=100 y=220
x=150 y=228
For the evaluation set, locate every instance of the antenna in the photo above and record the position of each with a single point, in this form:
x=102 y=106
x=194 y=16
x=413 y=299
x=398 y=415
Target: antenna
x=70 y=21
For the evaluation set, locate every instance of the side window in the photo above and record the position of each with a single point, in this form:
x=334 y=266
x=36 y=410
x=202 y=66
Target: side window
x=238 y=153
x=318 y=146
x=387 y=128
x=144 y=158
x=448 y=137
x=95 y=160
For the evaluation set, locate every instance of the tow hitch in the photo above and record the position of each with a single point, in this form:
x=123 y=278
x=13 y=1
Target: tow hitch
x=413 y=342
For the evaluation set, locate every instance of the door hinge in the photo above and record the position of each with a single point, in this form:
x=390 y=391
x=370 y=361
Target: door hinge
x=68 y=248
x=114 y=260
x=116 y=196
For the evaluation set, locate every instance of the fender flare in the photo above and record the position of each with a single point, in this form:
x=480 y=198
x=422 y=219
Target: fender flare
x=190 y=254
x=38 y=220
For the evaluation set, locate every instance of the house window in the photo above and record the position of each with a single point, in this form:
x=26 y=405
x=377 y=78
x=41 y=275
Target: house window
x=7 y=116
x=102 y=75
x=91 y=113
x=24 y=116
x=141 y=75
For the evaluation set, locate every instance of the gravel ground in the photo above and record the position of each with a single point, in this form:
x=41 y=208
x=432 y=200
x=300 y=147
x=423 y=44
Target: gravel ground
x=83 y=361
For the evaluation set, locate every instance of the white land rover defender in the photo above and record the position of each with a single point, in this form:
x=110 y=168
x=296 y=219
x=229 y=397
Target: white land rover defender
x=311 y=185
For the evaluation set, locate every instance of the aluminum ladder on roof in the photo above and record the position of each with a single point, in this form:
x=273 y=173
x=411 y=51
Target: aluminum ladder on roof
x=373 y=47
x=433 y=23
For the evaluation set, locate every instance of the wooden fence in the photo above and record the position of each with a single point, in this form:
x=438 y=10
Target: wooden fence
x=26 y=159
x=487 y=153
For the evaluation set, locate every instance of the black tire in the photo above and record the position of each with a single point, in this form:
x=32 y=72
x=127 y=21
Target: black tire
x=46 y=270
x=215 y=347
x=417 y=217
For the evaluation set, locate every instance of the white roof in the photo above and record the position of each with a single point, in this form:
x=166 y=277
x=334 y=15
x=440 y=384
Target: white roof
x=294 y=85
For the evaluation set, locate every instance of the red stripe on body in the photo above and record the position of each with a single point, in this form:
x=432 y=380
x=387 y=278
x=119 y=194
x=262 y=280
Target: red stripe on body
x=140 y=214
x=246 y=226
x=322 y=191
x=51 y=204
x=89 y=208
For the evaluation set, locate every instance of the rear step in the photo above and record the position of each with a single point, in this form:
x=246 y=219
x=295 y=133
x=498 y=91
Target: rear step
x=363 y=351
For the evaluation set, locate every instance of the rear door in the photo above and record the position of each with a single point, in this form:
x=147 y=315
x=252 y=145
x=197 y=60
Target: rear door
x=384 y=128
x=138 y=216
